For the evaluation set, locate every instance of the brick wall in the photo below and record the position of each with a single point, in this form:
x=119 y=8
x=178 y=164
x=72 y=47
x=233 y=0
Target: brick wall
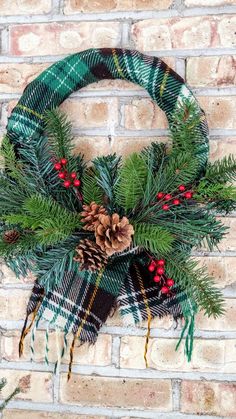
x=197 y=38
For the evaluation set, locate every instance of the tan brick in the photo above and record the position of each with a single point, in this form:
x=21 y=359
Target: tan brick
x=222 y=147
x=124 y=146
x=209 y=2
x=227 y=322
x=91 y=147
x=115 y=392
x=23 y=414
x=208 y=355
x=208 y=398
x=24 y=7
x=13 y=304
x=36 y=386
x=86 y=6
x=98 y=354
x=15 y=77
x=184 y=33
x=219 y=111
x=229 y=241
x=8 y=276
x=62 y=38
x=141 y=114
x=163 y=323
x=92 y=113
x=221 y=268
x=211 y=71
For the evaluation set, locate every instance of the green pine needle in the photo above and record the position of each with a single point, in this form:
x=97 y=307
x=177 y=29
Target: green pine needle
x=131 y=183
x=153 y=238
x=222 y=171
x=91 y=191
x=58 y=129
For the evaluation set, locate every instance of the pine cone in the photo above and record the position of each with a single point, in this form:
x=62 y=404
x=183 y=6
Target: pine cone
x=90 y=256
x=112 y=234
x=11 y=236
x=90 y=215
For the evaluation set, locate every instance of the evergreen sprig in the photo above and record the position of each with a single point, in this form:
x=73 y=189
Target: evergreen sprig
x=130 y=187
x=221 y=171
x=46 y=218
x=153 y=238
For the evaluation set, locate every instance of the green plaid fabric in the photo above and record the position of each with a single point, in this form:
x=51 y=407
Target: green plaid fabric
x=56 y=83
x=82 y=303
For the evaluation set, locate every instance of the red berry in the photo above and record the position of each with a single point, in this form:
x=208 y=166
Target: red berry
x=77 y=182
x=176 y=201
x=181 y=188
x=157 y=278
x=57 y=166
x=160 y=270
x=160 y=195
x=63 y=161
x=73 y=175
x=165 y=290
x=62 y=175
x=67 y=183
x=188 y=195
x=170 y=282
x=168 y=196
x=165 y=207
x=151 y=267
x=161 y=262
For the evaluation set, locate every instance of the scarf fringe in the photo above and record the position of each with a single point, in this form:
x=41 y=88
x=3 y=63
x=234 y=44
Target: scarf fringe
x=188 y=334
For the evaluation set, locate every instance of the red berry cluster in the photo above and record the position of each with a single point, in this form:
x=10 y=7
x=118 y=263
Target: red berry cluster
x=161 y=196
x=158 y=266
x=70 y=179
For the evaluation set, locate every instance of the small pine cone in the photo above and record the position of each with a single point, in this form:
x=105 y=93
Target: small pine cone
x=113 y=234
x=11 y=236
x=90 y=215
x=90 y=256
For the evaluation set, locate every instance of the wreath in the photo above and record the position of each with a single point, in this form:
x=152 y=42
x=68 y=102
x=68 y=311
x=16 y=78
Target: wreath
x=117 y=232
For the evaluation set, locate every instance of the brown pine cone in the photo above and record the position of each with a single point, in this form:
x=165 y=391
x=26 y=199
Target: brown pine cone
x=90 y=256
x=90 y=215
x=113 y=234
x=11 y=236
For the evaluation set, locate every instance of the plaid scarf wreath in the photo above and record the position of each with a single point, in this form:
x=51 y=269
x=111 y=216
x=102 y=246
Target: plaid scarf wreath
x=82 y=303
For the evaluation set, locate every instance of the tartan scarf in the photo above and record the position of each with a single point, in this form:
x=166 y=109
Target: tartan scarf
x=82 y=302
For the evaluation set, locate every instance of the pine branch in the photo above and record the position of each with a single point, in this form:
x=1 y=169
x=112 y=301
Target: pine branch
x=91 y=191
x=107 y=171
x=131 y=183
x=196 y=283
x=12 y=165
x=49 y=221
x=153 y=238
x=154 y=155
x=221 y=171
x=179 y=169
x=58 y=130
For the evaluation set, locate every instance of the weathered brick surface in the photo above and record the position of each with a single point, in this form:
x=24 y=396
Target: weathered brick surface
x=62 y=38
x=111 y=392
x=221 y=268
x=208 y=398
x=24 y=7
x=209 y=2
x=185 y=33
x=211 y=71
x=227 y=322
x=98 y=354
x=15 y=77
x=23 y=414
x=219 y=111
x=221 y=147
x=36 y=386
x=208 y=355
x=13 y=304
x=143 y=114
x=75 y=6
x=92 y=113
